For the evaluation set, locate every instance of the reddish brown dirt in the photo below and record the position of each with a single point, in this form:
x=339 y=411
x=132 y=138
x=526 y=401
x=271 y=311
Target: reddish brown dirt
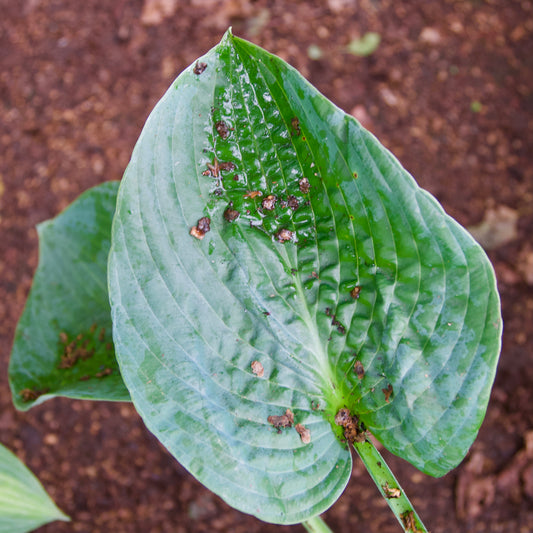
x=448 y=90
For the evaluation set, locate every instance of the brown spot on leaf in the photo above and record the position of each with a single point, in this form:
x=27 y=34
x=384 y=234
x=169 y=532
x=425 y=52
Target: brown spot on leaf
x=202 y=227
x=30 y=395
x=195 y=233
x=354 y=293
x=304 y=433
x=284 y=235
x=293 y=202
x=409 y=522
x=199 y=67
x=354 y=430
x=222 y=129
x=226 y=166
x=269 y=203
x=214 y=169
x=295 y=125
x=231 y=214
x=282 y=421
x=76 y=349
x=304 y=185
x=104 y=372
x=334 y=322
x=359 y=369
x=257 y=369
x=391 y=492
x=204 y=224
x=387 y=392
x=253 y=194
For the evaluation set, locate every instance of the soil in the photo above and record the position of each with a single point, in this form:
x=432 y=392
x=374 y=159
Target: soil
x=448 y=90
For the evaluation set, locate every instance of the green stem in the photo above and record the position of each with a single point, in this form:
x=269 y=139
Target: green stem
x=389 y=487
x=316 y=525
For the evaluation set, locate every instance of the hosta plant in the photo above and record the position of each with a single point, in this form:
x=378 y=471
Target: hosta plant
x=24 y=504
x=280 y=289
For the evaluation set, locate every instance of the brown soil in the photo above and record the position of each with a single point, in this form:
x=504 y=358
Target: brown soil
x=448 y=90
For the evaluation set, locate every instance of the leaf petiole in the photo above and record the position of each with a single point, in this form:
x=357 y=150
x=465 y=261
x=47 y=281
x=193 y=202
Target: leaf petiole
x=316 y=525
x=389 y=487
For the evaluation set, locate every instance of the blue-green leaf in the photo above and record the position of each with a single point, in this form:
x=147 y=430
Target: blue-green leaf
x=270 y=259
x=24 y=504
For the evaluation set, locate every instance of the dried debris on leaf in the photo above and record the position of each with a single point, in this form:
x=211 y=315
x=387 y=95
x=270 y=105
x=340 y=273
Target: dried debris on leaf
x=78 y=348
x=354 y=429
x=30 y=395
x=409 y=522
x=295 y=125
x=359 y=369
x=387 y=392
x=284 y=235
x=231 y=214
x=283 y=421
x=334 y=322
x=253 y=194
x=355 y=292
x=391 y=492
x=199 y=67
x=201 y=228
x=222 y=129
x=257 y=369
x=304 y=185
x=269 y=203
x=226 y=166
x=304 y=433
x=213 y=169
x=292 y=202
x=105 y=372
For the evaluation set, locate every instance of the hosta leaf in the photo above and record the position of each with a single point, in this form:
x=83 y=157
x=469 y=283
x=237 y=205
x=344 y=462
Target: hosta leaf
x=24 y=504
x=322 y=252
x=63 y=343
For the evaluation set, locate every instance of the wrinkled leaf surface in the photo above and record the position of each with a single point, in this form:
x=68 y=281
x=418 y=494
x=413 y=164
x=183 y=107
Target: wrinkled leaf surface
x=322 y=252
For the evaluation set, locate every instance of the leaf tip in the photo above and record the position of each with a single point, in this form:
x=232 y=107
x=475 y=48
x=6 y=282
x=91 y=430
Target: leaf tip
x=228 y=36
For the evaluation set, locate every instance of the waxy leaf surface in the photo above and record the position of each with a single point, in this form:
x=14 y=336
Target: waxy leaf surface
x=63 y=343
x=264 y=243
x=24 y=504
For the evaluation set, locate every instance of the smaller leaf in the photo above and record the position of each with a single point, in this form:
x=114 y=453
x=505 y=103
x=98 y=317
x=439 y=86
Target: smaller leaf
x=24 y=504
x=365 y=45
x=63 y=344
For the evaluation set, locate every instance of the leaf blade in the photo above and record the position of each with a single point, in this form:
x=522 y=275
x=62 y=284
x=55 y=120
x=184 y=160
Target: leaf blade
x=69 y=295
x=24 y=504
x=192 y=315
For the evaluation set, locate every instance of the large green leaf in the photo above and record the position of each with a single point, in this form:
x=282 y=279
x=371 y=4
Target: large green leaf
x=24 y=504
x=336 y=256
x=63 y=343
